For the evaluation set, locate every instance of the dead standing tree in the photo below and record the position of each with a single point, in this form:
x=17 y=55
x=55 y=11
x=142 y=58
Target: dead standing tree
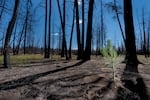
x=45 y=34
x=70 y=45
x=130 y=37
x=64 y=45
x=27 y=18
x=114 y=7
x=79 y=55
x=87 y=52
x=9 y=33
x=49 y=30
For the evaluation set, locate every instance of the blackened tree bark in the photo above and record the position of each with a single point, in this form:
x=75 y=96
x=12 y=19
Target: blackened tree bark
x=45 y=34
x=64 y=17
x=3 y=3
x=49 y=33
x=87 y=52
x=148 y=40
x=64 y=33
x=14 y=38
x=118 y=20
x=79 y=55
x=9 y=33
x=70 y=45
x=28 y=7
x=82 y=48
x=148 y=43
x=20 y=39
x=131 y=56
x=64 y=45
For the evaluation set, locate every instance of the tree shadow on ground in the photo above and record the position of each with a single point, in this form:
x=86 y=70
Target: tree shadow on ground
x=135 y=88
x=84 y=90
x=30 y=79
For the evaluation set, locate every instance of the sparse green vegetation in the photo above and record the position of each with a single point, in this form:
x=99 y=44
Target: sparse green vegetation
x=110 y=56
x=23 y=58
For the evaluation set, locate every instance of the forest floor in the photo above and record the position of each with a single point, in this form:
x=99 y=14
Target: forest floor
x=73 y=80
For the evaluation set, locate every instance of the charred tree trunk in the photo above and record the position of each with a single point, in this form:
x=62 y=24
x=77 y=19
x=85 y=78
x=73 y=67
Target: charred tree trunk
x=130 y=37
x=25 y=37
x=45 y=34
x=9 y=33
x=26 y=25
x=64 y=17
x=14 y=39
x=79 y=55
x=82 y=48
x=71 y=33
x=64 y=33
x=49 y=33
x=20 y=39
x=87 y=52
x=117 y=15
x=64 y=45
x=148 y=40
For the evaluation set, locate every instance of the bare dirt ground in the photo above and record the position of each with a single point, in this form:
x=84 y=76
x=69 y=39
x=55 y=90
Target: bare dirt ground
x=73 y=80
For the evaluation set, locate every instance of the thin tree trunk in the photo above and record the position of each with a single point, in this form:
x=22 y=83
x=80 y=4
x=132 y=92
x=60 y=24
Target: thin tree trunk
x=79 y=55
x=9 y=33
x=82 y=28
x=45 y=35
x=25 y=37
x=87 y=52
x=102 y=27
x=118 y=20
x=26 y=25
x=64 y=33
x=63 y=29
x=14 y=39
x=49 y=34
x=71 y=32
x=148 y=40
x=1 y=14
x=19 y=42
x=64 y=21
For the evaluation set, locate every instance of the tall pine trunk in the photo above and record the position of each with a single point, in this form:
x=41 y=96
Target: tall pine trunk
x=131 y=56
x=45 y=34
x=9 y=33
x=49 y=33
x=87 y=52
x=70 y=45
x=118 y=20
x=64 y=45
x=82 y=47
x=79 y=55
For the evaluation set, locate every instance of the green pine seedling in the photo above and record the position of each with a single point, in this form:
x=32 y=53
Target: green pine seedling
x=110 y=56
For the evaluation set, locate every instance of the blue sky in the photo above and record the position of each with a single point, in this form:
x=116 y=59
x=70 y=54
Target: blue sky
x=112 y=28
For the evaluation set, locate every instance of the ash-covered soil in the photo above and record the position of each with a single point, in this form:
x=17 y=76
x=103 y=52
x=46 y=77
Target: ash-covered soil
x=73 y=80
